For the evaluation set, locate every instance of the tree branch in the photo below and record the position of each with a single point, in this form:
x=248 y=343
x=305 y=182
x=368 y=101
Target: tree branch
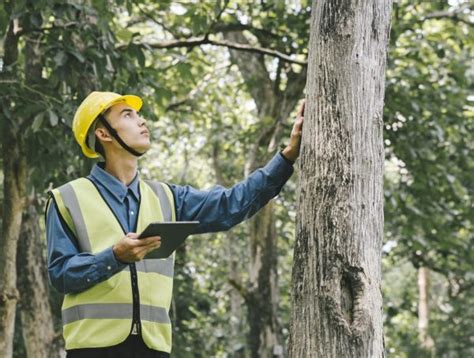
x=189 y=97
x=260 y=50
x=203 y=40
x=67 y=25
x=451 y=14
x=156 y=21
x=239 y=288
x=173 y=106
x=261 y=34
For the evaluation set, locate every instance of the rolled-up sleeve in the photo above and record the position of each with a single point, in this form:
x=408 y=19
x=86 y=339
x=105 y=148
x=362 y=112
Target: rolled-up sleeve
x=219 y=208
x=72 y=271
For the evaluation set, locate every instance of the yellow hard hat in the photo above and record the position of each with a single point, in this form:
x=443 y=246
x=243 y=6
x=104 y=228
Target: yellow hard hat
x=90 y=108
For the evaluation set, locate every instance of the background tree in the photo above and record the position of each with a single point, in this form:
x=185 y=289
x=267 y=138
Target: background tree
x=14 y=171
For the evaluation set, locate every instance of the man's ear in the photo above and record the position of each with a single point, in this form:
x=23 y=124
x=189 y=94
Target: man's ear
x=103 y=134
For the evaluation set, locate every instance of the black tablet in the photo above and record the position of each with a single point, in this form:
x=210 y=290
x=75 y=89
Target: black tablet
x=173 y=234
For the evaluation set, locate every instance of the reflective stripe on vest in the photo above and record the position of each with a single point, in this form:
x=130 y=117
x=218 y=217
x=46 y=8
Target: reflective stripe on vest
x=101 y=316
x=113 y=310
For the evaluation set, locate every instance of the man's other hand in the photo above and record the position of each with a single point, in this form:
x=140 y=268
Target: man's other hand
x=131 y=249
x=292 y=150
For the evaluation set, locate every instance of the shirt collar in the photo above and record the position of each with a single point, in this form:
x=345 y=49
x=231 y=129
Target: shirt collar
x=112 y=184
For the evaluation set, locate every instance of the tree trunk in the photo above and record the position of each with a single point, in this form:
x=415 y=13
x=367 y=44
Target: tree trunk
x=336 y=298
x=426 y=341
x=264 y=337
x=14 y=170
x=14 y=182
x=235 y=299
x=34 y=306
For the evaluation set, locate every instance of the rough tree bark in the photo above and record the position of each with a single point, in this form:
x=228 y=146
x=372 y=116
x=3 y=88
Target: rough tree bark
x=34 y=307
x=274 y=106
x=336 y=298
x=14 y=183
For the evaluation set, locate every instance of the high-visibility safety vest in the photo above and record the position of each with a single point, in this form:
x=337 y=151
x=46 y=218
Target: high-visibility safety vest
x=101 y=316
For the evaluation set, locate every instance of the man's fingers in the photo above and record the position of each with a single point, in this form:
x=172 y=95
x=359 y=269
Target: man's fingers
x=141 y=251
x=147 y=241
x=301 y=111
x=151 y=240
x=153 y=247
x=298 y=124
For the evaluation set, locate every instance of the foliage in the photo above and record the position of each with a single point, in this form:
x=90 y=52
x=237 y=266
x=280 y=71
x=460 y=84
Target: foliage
x=429 y=188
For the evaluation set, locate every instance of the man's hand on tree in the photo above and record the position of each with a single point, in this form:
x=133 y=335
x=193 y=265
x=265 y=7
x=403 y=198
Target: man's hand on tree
x=292 y=150
x=131 y=249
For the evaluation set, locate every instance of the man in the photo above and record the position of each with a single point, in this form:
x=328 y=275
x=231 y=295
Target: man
x=116 y=302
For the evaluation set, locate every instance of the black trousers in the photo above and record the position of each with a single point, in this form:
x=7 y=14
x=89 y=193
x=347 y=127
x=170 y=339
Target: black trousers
x=132 y=347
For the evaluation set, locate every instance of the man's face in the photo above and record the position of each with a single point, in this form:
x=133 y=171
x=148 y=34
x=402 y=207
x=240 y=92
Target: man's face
x=130 y=126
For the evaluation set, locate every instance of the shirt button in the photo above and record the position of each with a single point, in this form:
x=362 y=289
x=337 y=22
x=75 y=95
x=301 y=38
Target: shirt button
x=132 y=212
x=88 y=280
x=109 y=267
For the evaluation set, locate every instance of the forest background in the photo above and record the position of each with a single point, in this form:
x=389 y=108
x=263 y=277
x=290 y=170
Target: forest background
x=221 y=82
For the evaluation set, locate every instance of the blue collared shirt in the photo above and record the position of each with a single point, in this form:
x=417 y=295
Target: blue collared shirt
x=217 y=209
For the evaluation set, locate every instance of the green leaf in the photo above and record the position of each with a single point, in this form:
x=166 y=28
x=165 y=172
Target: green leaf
x=53 y=118
x=137 y=52
x=109 y=67
x=124 y=35
x=199 y=25
x=184 y=70
x=130 y=7
x=79 y=56
x=37 y=121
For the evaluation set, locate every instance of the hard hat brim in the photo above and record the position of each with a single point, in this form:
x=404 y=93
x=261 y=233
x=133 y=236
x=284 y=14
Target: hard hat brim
x=133 y=101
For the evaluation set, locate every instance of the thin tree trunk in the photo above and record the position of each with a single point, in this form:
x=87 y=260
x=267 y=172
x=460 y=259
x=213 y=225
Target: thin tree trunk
x=34 y=307
x=262 y=296
x=14 y=182
x=336 y=298
x=236 y=312
x=426 y=341
x=14 y=170
x=264 y=337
